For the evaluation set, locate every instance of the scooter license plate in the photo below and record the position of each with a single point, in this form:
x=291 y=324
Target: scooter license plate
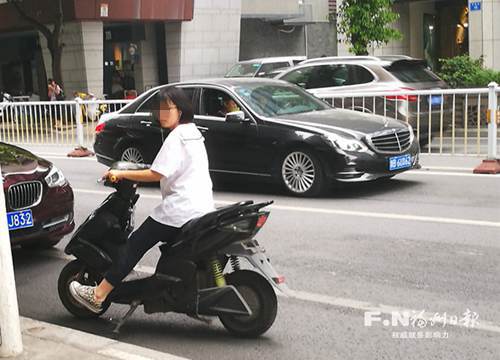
x=20 y=219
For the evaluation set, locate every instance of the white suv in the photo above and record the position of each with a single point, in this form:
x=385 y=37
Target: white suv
x=263 y=67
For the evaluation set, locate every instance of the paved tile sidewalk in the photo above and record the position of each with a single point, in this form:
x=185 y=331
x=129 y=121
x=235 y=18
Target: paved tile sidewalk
x=44 y=341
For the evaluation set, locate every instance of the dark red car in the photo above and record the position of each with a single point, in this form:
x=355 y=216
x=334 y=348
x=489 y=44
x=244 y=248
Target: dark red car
x=38 y=198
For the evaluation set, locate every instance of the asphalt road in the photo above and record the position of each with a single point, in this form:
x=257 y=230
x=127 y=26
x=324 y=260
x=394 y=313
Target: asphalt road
x=424 y=241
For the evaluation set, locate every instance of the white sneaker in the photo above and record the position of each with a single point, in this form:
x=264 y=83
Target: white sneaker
x=85 y=296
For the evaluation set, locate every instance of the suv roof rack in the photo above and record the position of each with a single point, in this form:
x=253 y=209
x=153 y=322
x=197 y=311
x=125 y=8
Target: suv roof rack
x=357 y=58
x=395 y=57
x=332 y=58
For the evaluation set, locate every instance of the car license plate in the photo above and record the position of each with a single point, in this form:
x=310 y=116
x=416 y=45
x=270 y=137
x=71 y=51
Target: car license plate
x=20 y=219
x=436 y=100
x=399 y=162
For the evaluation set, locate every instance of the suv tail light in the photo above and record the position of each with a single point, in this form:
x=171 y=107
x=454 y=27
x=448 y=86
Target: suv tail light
x=410 y=98
x=100 y=127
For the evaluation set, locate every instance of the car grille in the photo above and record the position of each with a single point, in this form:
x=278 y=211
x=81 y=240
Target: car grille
x=24 y=195
x=393 y=141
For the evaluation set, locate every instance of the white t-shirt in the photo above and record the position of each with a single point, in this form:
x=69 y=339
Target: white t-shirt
x=186 y=187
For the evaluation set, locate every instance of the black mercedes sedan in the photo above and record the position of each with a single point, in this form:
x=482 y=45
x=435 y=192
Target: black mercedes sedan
x=275 y=131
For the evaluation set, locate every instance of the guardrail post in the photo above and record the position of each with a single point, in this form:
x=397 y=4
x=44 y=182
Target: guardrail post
x=492 y=164
x=78 y=119
x=10 y=329
x=80 y=150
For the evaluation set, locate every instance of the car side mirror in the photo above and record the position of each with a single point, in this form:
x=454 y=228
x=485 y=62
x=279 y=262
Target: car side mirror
x=236 y=117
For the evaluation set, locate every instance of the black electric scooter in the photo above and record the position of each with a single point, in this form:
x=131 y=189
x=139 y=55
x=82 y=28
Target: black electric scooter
x=189 y=276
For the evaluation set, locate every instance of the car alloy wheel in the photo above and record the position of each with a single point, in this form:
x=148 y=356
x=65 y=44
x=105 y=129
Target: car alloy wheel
x=300 y=173
x=133 y=155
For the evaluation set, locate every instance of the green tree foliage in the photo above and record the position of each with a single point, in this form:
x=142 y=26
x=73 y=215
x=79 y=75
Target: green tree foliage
x=462 y=71
x=366 y=23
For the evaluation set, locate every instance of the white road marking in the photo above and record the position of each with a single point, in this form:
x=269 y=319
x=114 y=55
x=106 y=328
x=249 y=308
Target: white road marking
x=122 y=355
x=451 y=168
x=389 y=310
x=449 y=173
x=344 y=302
x=391 y=216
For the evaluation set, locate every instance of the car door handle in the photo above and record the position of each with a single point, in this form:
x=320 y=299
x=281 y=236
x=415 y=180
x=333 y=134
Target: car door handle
x=147 y=123
x=202 y=128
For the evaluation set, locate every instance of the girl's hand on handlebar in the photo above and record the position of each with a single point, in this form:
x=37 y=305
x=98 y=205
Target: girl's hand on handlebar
x=113 y=175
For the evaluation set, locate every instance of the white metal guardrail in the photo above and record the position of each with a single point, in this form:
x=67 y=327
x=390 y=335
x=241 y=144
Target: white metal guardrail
x=445 y=121
x=53 y=122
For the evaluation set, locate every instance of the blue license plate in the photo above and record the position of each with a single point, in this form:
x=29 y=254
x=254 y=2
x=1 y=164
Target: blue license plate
x=20 y=219
x=436 y=100
x=399 y=162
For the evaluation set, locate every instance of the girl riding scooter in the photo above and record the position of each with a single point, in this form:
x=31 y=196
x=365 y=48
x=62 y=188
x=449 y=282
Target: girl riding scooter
x=181 y=166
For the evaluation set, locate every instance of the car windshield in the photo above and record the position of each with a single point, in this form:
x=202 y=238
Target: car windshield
x=244 y=70
x=276 y=100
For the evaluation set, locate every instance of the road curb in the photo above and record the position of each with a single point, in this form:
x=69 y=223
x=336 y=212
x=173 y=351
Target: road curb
x=89 y=343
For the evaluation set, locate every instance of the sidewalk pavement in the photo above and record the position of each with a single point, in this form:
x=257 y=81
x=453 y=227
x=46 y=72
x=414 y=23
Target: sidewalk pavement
x=44 y=341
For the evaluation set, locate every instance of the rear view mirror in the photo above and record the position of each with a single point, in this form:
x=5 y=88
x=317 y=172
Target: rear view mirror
x=236 y=116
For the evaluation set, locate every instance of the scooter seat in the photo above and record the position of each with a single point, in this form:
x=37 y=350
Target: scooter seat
x=193 y=227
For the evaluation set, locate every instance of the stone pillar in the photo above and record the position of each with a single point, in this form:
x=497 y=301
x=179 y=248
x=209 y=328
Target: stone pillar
x=484 y=33
x=173 y=46
x=146 y=73
x=402 y=46
x=82 y=58
x=93 y=53
x=206 y=46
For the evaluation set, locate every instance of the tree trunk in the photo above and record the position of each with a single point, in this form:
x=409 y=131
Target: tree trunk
x=56 y=55
x=41 y=74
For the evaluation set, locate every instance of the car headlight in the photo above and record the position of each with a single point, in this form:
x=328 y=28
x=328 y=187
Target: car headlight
x=346 y=144
x=55 y=178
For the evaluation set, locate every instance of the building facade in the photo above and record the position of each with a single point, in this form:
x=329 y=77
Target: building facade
x=436 y=29
x=112 y=46
x=116 y=45
x=287 y=27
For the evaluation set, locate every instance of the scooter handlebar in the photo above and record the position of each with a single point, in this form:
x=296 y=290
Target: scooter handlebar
x=108 y=181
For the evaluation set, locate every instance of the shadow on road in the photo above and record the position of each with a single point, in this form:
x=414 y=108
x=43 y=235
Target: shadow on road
x=337 y=191
x=163 y=332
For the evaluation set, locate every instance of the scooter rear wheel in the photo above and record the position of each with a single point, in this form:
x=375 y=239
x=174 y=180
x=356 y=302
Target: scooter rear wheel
x=75 y=270
x=261 y=299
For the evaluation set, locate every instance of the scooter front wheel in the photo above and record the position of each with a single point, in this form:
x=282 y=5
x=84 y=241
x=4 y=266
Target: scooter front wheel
x=76 y=271
x=261 y=299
